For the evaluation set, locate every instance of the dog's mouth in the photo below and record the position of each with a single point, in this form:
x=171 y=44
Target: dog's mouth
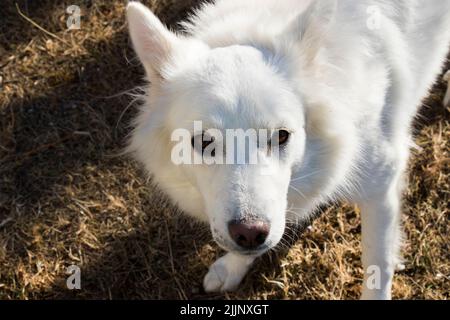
x=260 y=250
x=231 y=247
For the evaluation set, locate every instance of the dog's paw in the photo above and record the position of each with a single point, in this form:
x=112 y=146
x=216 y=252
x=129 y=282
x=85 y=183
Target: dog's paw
x=219 y=279
x=226 y=273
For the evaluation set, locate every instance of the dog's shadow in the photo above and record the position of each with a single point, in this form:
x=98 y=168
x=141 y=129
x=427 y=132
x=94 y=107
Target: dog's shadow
x=138 y=266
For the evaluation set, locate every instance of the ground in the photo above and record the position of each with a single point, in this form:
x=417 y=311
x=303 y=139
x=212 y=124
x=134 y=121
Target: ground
x=67 y=196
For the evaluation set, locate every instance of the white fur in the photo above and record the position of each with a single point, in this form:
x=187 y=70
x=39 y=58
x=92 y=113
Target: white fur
x=446 y=78
x=348 y=92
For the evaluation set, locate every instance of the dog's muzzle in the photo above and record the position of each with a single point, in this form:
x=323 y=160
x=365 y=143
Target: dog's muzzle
x=249 y=234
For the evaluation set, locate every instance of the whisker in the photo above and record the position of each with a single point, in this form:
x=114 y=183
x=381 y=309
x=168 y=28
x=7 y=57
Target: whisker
x=124 y=111
x=298 y=191
x=307 y=175
x=134 y=92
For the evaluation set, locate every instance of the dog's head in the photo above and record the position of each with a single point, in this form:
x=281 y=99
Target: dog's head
x=236 y=109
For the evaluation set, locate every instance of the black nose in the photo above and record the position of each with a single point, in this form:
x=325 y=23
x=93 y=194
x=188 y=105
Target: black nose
x=249 y=234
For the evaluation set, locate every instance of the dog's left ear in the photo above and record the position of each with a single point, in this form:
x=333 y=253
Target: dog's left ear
x=152 y=41
x=310 y=27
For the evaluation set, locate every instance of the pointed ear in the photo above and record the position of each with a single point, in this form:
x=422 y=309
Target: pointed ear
x=152 y=41
x=310 y=27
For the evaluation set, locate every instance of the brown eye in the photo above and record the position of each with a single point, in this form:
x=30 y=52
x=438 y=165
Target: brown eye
x=283 y=137
x=202 y=141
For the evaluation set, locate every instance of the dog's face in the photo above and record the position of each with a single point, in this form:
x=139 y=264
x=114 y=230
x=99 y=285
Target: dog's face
x=235 y=92
x=245 y=124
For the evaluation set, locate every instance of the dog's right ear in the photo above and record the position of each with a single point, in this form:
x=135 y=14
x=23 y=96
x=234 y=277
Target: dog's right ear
x=311 y=26
x=152 y=41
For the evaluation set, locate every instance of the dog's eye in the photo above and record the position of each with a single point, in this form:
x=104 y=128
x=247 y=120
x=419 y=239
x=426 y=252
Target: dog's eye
x=200 y=140
x=283 y=137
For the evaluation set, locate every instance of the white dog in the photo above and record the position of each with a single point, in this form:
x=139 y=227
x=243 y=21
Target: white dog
x=336 y=82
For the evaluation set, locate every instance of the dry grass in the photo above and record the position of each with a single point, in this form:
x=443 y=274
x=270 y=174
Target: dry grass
x=66 y=198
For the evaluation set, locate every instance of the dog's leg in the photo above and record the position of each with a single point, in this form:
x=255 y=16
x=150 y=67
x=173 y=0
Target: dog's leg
x=381 y=240
x=227 y=272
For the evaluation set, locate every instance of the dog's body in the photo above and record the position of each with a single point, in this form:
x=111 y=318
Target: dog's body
x=345 y=78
